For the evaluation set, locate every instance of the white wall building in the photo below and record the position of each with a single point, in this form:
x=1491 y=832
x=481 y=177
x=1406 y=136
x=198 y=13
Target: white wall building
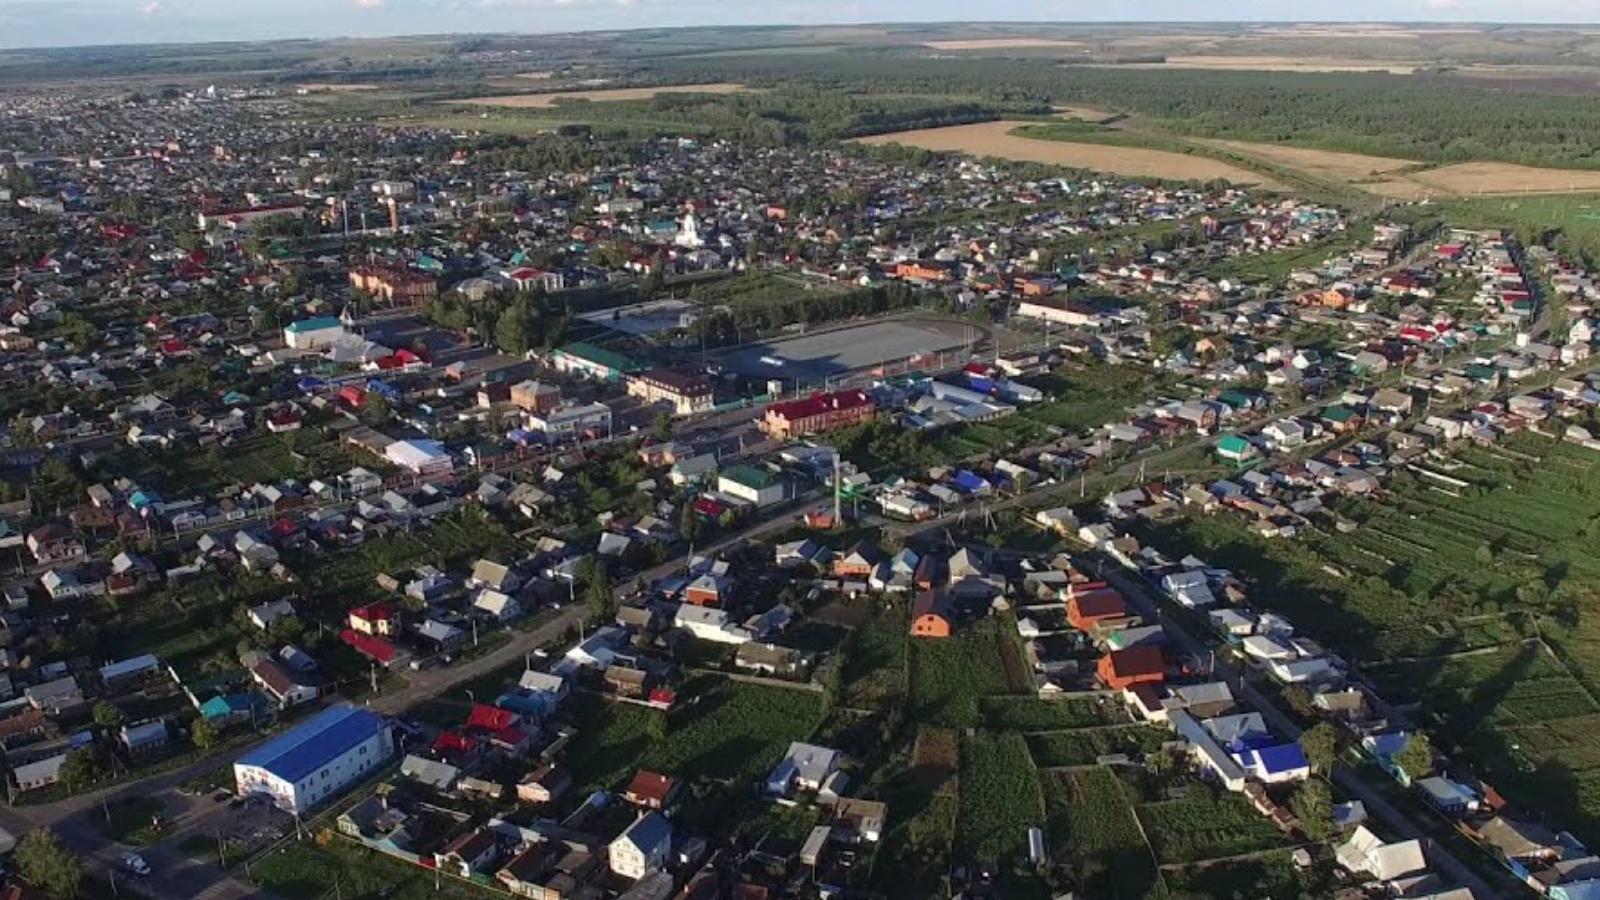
x=317 y=760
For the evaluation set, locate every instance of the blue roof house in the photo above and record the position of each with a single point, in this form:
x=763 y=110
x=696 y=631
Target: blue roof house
x=316 y=760
x=1276 y=765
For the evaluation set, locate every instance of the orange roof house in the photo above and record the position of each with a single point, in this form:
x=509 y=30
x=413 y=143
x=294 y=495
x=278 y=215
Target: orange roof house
x=931 y=615
x=1091 y=604
x=1122 y=669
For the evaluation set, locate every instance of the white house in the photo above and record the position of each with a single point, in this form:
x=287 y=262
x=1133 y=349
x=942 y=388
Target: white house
x=1366 y=853
x=644 y=847
x=268 y=613
x=317 y=760
x=710 y=624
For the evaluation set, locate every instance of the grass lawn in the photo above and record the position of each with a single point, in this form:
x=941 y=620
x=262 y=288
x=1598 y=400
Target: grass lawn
x=1093 y=835
x=726 y=730
x=1000 y=800
x=305 y=871
x=132 y=820
x=950 y=678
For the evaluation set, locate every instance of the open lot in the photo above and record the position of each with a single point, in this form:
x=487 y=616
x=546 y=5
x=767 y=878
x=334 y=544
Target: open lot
x=841 y=351
x=546 y=101
x=995 y=139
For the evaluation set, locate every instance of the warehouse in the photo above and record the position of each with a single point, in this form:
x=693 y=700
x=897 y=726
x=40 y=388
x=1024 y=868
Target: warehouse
x=317 y=760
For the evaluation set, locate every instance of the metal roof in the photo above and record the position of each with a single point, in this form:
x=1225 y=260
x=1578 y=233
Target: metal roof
x=297 y=753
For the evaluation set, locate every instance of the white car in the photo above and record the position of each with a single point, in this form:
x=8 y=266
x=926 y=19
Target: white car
x=135 y=863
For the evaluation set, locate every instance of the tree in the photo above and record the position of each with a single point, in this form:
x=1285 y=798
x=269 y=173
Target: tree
x=203 y=733
x=689 y=525
x=1298 y=699
x=108 y=716
x=511 y=330
x=1312 y=804
x=377 y=407
x=47 y=863
x=1416 y=760
x=597 y=590
x=662 y=427
x=82 y=769
x=1321 y=745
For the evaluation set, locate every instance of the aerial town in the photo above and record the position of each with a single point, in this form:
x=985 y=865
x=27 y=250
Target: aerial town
x=397 y=510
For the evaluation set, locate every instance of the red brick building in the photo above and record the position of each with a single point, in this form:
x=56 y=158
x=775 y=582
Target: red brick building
x=818 y=413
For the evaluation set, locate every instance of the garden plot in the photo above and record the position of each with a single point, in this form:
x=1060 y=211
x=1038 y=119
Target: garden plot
x=1204 y=824
x=1083 y=747
x=728 y=730
x=1093 y=833
x=1030 y=714
x=1000 y=800
x=950 y=678
x=875 y=668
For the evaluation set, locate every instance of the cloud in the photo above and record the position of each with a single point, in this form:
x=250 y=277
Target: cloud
x=369 y=4
x=150 y=8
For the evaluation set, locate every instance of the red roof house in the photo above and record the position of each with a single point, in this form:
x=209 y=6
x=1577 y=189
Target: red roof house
x=1122 y=669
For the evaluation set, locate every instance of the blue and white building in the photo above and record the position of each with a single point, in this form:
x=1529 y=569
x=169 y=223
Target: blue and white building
x=316 y=760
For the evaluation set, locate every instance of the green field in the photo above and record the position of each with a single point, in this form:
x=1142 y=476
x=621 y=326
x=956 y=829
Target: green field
x=728 y=730
x=950 y=678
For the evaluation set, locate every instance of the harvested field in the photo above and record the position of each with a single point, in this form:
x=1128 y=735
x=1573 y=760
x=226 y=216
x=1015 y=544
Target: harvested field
x=1086 y=113
x=1502 y=178
x=1000 y=44
x=994 y=139
x=335 y=88
x=1279 y=64
x=546 y=101
x=1321 y=163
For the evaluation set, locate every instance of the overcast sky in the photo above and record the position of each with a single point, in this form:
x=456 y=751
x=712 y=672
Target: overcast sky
x=25 y=23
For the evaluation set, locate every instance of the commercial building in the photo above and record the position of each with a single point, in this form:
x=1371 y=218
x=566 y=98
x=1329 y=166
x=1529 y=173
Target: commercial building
x=593 y=418
x=317 y=760
x=313 y=334
x=751 y=485
x=688 y=394
x=534 y=396
x=425 y=458
x=818 y=413
x=589 y=361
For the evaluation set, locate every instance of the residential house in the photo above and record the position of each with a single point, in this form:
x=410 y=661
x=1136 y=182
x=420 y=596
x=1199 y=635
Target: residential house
x=932 y=615
x=653 y=791
x=1121 y=669
x=805 y=767
x=472 y=854
x=643 y=847
x=545 y=784
x=288 y=688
